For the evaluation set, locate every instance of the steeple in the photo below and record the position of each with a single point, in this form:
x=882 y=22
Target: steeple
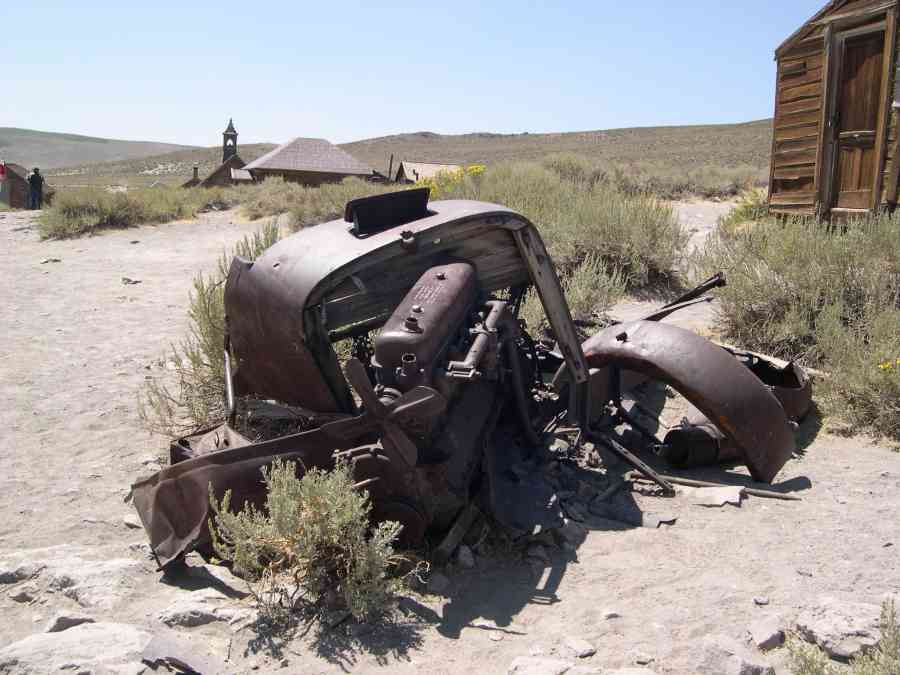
x=229 y=142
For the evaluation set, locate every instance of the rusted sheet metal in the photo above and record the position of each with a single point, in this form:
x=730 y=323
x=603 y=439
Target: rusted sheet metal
x=710 y=378
x=790 y=383
x=173 y=504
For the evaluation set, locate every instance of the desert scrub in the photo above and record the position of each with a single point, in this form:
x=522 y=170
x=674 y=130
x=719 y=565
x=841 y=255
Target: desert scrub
x=830 y=298
x=808 y=659
x=663 y=180
x=591 y=288
x=196 y=398
x=751 y=207
x=306 y=205
x=75 y=213
x=310 y=546
x=639 y=236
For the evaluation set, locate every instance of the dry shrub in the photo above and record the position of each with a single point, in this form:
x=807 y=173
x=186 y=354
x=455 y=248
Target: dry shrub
x=75 y=213
x=310 y=546
x=195 y=400
x=306 y=205
x=667 y=180
x=637 y=236
x=830 y=298
x=808 y=659
x=751 y=207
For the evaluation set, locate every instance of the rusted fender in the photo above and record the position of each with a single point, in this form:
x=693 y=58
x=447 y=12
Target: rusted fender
x=729 y=394
x=173 y=504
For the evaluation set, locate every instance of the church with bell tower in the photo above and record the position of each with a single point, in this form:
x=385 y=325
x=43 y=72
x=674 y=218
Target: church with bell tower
x=230 y=171
x=229 y=141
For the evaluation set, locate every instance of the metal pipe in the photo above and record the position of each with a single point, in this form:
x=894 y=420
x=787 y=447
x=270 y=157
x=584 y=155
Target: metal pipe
x=482 y=340
x=717 y=280
x=755 y=492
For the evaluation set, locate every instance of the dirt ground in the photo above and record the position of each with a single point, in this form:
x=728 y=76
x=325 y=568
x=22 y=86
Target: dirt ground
x=77 y=345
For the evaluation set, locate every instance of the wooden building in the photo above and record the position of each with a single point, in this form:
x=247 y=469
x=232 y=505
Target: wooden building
x=834 y=148
x=309 y=161
x=413 y=172
x=222 y=175
x=14 y=188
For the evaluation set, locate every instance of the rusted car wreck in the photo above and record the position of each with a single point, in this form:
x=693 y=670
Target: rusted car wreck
x=446 y=393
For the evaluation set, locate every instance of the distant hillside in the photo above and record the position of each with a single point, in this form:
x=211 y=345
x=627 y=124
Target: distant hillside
x=710 y=154
x=51 y=150
x=689 y=147
x=171 y=167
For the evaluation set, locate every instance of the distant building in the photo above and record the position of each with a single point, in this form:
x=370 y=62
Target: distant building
x=222 y=175
x=413 y=172
x=14 y=186
x=309 y=161
x=835 y=146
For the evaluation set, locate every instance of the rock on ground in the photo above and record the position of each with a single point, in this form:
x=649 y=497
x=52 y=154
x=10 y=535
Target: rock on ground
x=722 y=655
x=88 y=647
x=842 y=629
x=69 y=570
x=539 y=665
x=766 y=634
x=64 y=620
x=580 y=647
x=199 y=608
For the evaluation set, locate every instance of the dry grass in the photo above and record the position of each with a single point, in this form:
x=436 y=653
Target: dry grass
x=306 y=205
x=636 y=236
x=75 y=213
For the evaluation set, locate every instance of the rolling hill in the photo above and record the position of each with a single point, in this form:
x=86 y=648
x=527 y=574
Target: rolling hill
x=690 y=147
x=170 y=168
x=722 y=151
x=52 y=150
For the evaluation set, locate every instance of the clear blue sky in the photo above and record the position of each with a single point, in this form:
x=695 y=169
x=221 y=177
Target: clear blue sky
x=167 y=71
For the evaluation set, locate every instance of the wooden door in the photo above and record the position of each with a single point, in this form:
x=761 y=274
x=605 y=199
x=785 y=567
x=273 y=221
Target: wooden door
x=858 y=103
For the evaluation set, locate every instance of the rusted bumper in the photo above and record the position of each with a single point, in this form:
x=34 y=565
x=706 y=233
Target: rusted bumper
x=726 y=392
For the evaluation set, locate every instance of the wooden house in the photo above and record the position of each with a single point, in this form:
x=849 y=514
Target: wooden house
x=14 y=188
x=834 y=147
x=413 y=172
x=309 y=161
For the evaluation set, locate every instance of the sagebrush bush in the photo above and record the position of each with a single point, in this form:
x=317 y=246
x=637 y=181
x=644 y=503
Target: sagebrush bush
x=306 y=205
x=751 y=207
x=662 y=180
x=828 y=297
x=75 y=213
x=310 y=545
x=195 y=399
x=637 y=235
x=808 y=659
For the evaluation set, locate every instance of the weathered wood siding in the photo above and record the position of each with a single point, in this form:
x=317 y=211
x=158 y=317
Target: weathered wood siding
x=799 y=102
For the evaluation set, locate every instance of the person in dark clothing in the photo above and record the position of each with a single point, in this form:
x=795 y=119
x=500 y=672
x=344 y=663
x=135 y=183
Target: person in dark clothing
x=36 y=183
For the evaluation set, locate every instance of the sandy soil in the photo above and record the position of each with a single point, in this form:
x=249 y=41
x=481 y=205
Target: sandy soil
x=77 y=344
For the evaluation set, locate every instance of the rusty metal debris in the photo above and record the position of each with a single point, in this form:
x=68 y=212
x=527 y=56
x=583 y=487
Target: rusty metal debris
x=442 y=406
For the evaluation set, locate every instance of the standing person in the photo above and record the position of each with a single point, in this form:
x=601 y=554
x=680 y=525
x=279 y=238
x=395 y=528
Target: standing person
x=36 y=183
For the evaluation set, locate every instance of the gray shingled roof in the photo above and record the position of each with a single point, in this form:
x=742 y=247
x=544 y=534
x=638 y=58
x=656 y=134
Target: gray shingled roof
x=310 y=154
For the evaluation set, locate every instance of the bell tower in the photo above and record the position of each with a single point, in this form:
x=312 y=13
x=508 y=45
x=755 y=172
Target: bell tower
x=229 y=142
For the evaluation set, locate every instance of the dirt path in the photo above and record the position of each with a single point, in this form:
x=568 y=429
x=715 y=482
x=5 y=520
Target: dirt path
x=77 y=344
